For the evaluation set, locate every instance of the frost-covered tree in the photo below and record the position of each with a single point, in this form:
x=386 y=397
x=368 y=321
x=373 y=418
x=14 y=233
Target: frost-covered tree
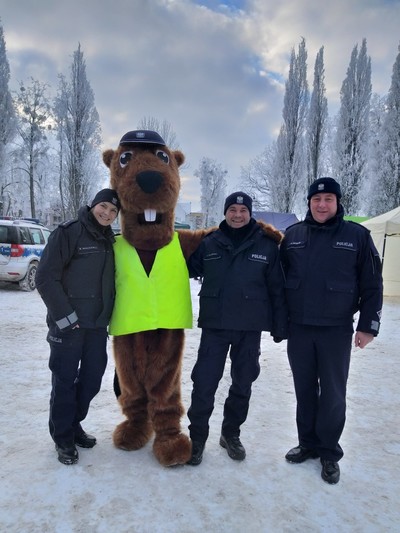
x=277 y=175
x=289 y=162
x=387 y=191
x=33 y=123
x=256 y=178
x=163 y=128
x=351 y=144
x=317 y=122
x=79 y=136
x=7 y=125
x=213 y=184
x=60 y=117
x=373 y=203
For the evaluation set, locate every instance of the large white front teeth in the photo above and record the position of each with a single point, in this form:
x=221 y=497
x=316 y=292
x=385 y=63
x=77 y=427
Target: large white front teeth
x=150 y=215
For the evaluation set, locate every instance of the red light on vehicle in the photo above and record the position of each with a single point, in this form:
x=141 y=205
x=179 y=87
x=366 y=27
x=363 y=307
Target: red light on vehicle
x=16 y=250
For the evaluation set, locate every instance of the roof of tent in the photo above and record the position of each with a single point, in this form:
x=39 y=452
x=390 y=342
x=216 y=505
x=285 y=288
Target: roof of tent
x=382 y=225
x=279 y=220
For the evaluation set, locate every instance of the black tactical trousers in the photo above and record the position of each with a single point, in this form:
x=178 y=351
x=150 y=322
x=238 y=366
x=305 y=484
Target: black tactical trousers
x=244 y=352
x=78 y=359
x=319 y=357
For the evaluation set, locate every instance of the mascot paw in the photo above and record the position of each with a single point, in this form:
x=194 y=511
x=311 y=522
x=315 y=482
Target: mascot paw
x=173 y=450
x=129 y=436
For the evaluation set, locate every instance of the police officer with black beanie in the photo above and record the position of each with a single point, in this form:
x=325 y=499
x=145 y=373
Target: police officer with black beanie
x=333 y=271
x=242 y=294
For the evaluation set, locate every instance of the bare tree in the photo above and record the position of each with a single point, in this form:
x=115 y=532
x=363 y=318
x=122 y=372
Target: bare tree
x=374 y=203
x=79 y=135
x=386 y=187
x=258 y=178
x=353 y=128
x=289 y=161
x=34 y=121
x=213 y=185
x=164 y=128
x=276 y=176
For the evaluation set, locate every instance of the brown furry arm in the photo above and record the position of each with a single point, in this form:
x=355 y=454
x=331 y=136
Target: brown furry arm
x=270 y=231
x=190 y=239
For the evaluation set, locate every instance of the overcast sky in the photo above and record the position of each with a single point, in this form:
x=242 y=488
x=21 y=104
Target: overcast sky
x=215 y=71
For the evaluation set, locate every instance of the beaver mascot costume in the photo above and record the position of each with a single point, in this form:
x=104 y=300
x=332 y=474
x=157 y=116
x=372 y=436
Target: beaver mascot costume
x=153 y=303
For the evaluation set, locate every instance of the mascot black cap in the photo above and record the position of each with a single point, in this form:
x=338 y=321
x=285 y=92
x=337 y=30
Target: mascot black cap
x=142 y=137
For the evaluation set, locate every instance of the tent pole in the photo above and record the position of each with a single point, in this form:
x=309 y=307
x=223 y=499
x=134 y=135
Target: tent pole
x=383 y=249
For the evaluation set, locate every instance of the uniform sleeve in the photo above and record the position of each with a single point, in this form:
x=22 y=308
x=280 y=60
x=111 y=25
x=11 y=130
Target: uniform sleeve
x=195 y=262
x=56 y=256
x=370 y=288
x=276 y=291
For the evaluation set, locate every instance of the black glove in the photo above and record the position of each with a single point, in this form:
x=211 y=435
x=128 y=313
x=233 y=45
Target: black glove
x=277 y=339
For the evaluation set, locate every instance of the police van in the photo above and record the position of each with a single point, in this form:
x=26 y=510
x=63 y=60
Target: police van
x=21 y=245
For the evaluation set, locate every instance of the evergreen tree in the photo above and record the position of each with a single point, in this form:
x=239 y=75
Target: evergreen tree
x=353 y=129
x=7 y=126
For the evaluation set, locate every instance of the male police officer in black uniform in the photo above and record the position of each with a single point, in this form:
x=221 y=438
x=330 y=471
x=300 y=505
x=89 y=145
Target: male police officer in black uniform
x=242 y=294
x=332 y=271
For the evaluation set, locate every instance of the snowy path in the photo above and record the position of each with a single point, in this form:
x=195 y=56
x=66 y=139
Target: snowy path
x=111 y=490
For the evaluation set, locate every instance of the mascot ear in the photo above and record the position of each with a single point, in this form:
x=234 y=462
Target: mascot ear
x=179 y=157
x=107 y=157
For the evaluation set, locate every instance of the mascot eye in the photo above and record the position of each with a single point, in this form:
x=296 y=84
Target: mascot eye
x=163 y=156
x=125 y=158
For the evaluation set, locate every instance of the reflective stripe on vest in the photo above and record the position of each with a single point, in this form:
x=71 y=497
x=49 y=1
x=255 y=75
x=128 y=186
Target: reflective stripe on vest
x=160 y=300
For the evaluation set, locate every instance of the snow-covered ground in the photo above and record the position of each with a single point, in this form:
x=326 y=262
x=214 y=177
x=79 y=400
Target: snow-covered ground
x=112 y=490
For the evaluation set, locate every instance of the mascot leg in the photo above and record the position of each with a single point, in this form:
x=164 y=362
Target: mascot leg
x=163 y=383
x=136 y=431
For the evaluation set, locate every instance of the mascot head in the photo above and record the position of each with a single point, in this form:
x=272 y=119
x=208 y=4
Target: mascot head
x=145 y=174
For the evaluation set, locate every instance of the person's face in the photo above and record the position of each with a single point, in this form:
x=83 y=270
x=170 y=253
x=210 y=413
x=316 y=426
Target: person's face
x=105 y=213
x=323 y=206
x=237 y=216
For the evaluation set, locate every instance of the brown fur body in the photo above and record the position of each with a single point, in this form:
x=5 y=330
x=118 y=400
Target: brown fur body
x=148 y=363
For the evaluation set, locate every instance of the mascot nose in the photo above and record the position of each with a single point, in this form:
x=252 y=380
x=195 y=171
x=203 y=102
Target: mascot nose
x=149 y=180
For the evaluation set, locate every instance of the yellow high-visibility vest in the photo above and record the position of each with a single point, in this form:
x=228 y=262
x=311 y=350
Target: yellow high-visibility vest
x=146 y=302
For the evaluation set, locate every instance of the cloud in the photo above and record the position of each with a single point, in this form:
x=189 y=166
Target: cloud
x=214 y=70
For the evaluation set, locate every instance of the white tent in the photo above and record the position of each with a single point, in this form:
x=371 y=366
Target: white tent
x=385 y=232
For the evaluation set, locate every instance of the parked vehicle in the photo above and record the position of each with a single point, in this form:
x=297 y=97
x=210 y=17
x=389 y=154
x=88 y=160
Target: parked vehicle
x=21 y=246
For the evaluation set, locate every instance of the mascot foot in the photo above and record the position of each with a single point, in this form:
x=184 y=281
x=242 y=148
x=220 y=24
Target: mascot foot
x=129 y=436
x=172 y=450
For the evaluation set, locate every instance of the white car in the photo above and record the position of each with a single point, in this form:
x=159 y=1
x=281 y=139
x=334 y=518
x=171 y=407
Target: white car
x=21 y=246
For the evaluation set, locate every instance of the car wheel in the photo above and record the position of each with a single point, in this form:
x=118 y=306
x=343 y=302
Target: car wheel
x=28 y=283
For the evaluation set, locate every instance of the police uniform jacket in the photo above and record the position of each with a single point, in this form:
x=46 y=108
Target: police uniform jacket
x=75 y=277
x=243 y=286
x=332 y=271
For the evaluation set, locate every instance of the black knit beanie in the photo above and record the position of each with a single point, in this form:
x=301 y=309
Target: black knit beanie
x=240 y=198
x=106 y=195
x=324 y=185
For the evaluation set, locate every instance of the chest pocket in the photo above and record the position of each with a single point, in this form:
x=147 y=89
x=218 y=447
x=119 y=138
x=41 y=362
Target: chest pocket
x=212 y=257
x=294 y=245
x=87 y=250
x=345 y=246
